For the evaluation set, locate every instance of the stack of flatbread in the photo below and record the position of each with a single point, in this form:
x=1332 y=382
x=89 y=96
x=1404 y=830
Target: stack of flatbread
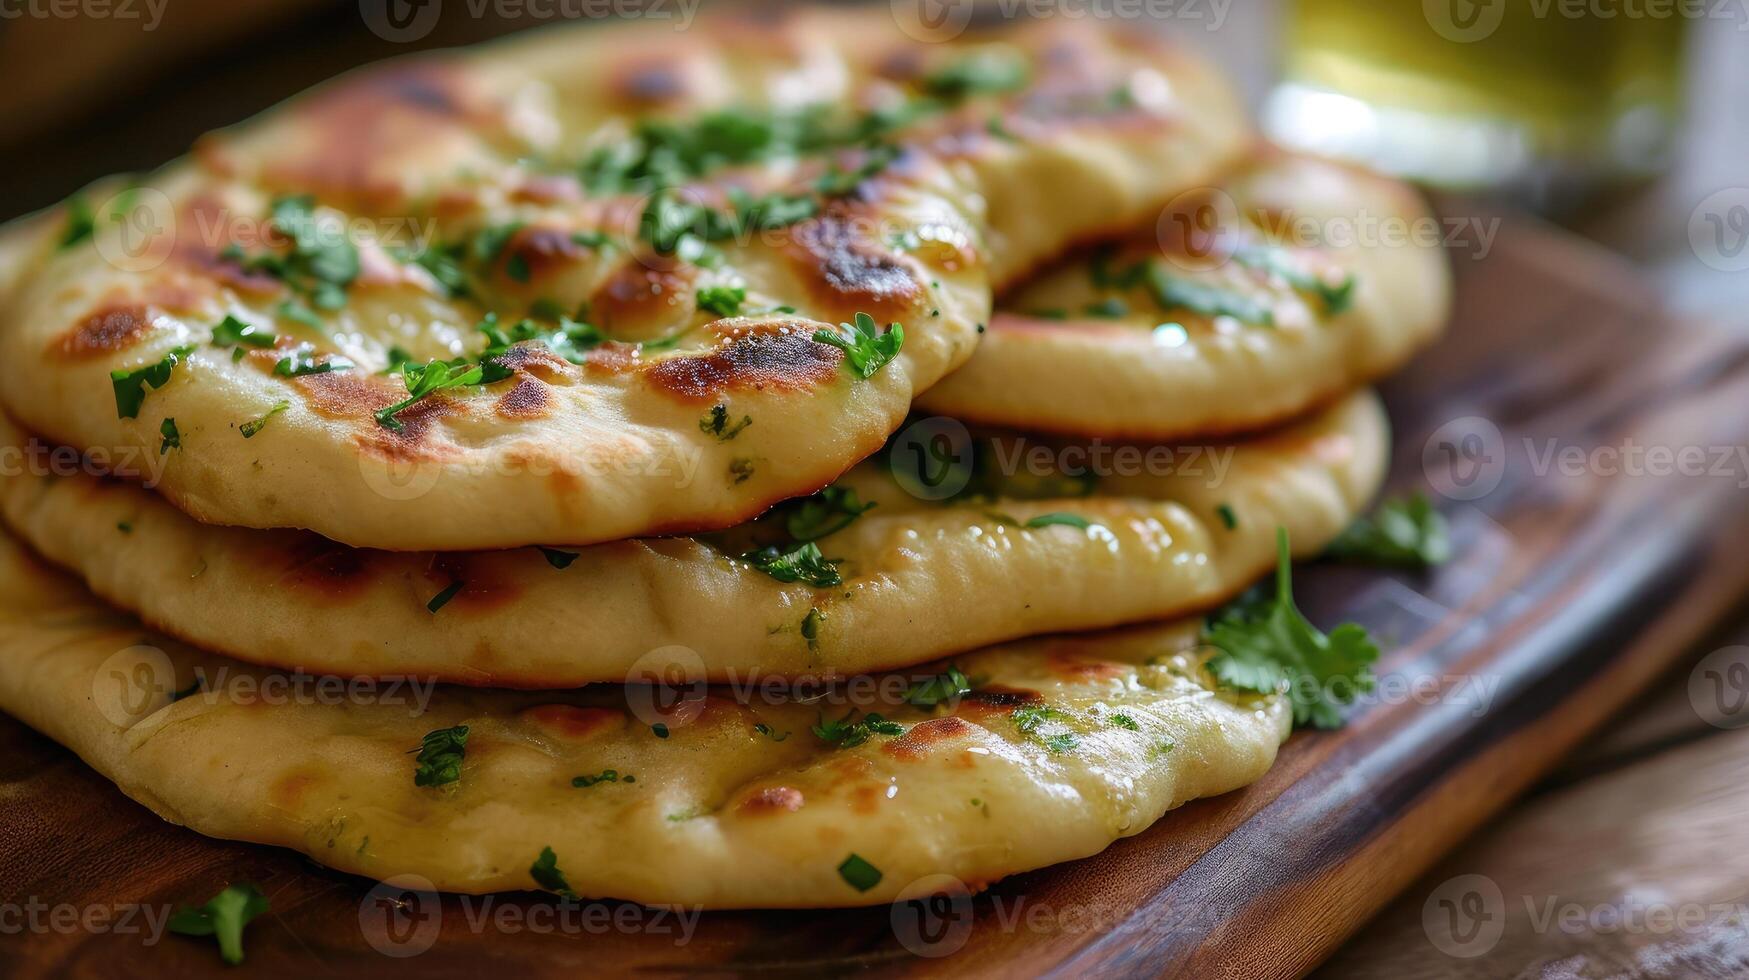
x=765 y=465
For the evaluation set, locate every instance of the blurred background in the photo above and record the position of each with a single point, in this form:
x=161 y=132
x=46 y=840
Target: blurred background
x=1624 y=120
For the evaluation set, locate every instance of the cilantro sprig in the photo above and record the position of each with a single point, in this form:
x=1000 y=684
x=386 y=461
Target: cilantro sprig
x=866 y=349
x=223 y=917
x=850 y=731
x=802 y=563
x=825 y=513
x=1265 y=645
x=1409 y=533
x=440 y=756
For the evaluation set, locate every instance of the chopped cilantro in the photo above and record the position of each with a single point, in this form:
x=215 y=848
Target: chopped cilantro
x=231 y=331
x=130 y=386
x=659 y=730
x=545 y=872
x=859 y=874
x=1265 y=645
x=1066 y=520
x=831 y=510
x=441 y=599
x=426 y=380
x=716 y=423
x=222 y=917
x=1229 y=519
x=865 y=349
x=949 y=685
x=605 y=776
x=172 y=438
x=1125 y=721
x=722 y=300
x=558 y=559
x=302 y=361
x=803 y=563
x=983 y=73
x=440 y=756
x=850 y=731
x=811 y=624
x=1173 y=292
x=1401 y=532
x=81 y=222
x=1336 y=298
x=766 y=730
x=253 y=426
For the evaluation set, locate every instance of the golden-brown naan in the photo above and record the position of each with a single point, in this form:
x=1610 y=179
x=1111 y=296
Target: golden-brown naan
x=482 y=151
x=729 y=800
x=921 y=578
x=1065 y=353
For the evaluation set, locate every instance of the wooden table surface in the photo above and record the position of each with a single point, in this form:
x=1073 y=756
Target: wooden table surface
x=1627 y=862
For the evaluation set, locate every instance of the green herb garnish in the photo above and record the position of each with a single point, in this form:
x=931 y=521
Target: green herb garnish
x=223 y=917
x=1266 y=645
x=172 y=438
x=865 y=349
x=440 y=756
x=253 y=426
x=441 y=599
x=722 y=300
x=716 y=423
x=1401 y=532
x=849 y=731
x=831 y=510
x=558 y=559
x=130 y=386
x=803 y=563
x=545 y=872
x=859 y=874
x=947 y=686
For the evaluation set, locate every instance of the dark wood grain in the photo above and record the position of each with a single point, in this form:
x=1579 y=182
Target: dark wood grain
x=1567 y=596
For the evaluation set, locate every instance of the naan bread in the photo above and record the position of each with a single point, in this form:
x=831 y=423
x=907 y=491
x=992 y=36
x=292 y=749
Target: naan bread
x=1063 y=746
x=921 y=578
x=1346 y=266
x=461 y=180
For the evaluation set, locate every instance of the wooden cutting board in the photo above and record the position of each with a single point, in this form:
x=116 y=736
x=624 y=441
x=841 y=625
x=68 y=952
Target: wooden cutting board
x=1568 y=592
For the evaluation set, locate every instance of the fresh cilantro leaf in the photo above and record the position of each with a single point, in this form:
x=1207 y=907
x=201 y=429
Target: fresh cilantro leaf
x=722 y=300
x=130 y=386
x=1110 y=308
x=716 y=423
x=859 y=874
x=803 y=563
x=1335 y=298
x=865 y=349
x=319 y=265
x=545 y=872
x=303 y=360
x=827 y=512
x=1061 y=742
x=766 y=730
x=231 y=331
x=1125 y=722
x=81 y=222
x=606 y=776
x=849 y=731
x=1401 y=532
x=983 y=73
x=1173 y=292
x=441 y=599
x=223 y=917
x=299 y=313
x=1266 y=645
x=253 y=426
x=440 y=756
x=1229 y=519
x=172 y=438
x=811 y=624
x=947 y=686
x=558 y=559
x=422 y=381
x=1066 y=520
x=443 y=263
